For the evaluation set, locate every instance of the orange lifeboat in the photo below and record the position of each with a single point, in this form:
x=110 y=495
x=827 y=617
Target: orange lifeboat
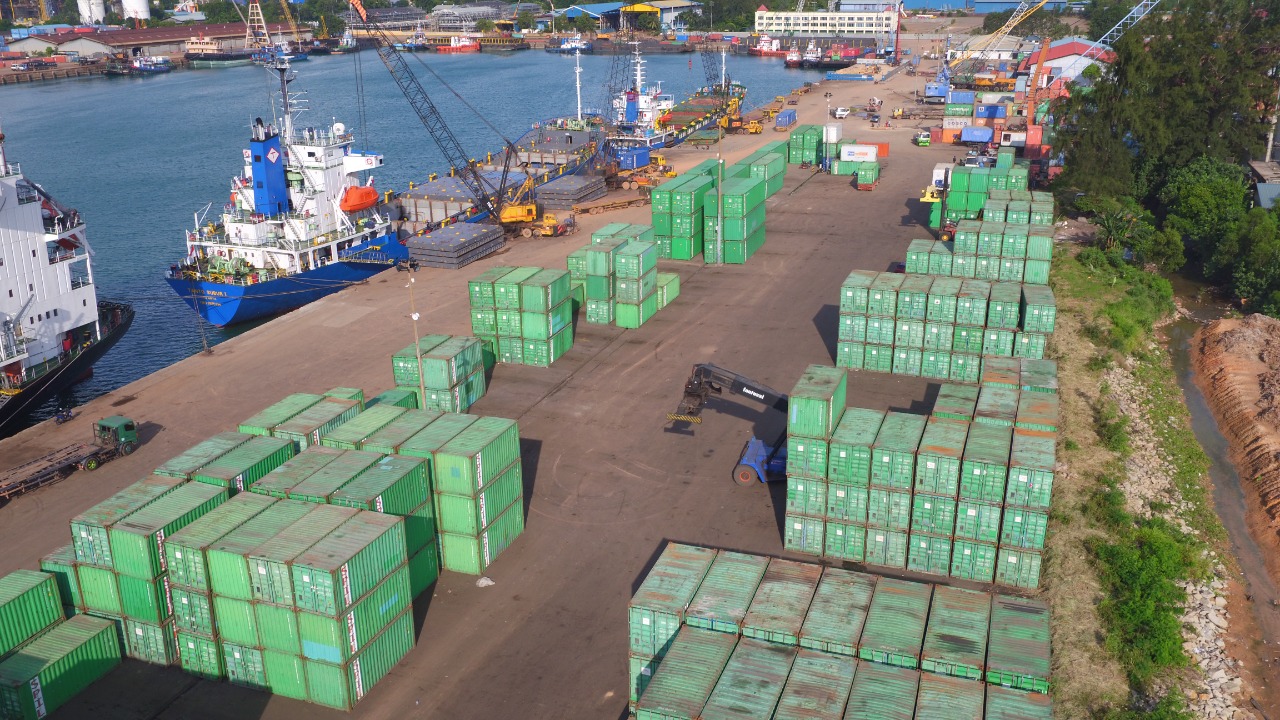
x=357 y=198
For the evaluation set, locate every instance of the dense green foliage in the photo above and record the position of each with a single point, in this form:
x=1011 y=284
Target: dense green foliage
x=1147 y=299
x=1140 y=568
x=1043 y=23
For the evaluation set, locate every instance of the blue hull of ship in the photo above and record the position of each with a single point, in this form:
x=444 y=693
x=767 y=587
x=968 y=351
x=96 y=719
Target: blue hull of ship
x=223 y=304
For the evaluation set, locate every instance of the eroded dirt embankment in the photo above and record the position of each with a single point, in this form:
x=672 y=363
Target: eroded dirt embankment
x=1238 y=369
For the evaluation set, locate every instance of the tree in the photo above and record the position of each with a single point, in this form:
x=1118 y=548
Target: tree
x=992 y=22
x=525 y=20
x=1117 y=219
x=1205 y=201
x=1162 y=248
x=584 y=23
x=648 y=22
x=485 y=25
x=1103 y=15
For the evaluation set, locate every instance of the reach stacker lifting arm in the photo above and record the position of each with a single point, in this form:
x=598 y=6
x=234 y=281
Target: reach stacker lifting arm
x=759 y=461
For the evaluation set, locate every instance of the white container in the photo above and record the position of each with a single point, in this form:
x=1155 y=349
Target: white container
x=942 y=174
x=858 y=153
x=832 y=132
x=953 y=123
x=1013 y=139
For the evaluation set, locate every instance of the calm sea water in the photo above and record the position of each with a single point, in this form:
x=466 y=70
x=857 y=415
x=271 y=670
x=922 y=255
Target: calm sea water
x=138 y=157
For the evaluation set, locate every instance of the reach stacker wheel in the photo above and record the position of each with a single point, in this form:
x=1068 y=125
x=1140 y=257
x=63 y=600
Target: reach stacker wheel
x=745 y=475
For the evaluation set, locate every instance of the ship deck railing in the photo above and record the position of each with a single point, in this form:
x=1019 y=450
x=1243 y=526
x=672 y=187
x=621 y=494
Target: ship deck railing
x=8 y=169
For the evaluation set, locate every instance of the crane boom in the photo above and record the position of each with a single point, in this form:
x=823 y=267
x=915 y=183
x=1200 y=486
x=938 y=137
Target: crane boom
x=1022 y=12
x=1033 y=87
x=288 y=17
x=429 y=114
x=1102 y=44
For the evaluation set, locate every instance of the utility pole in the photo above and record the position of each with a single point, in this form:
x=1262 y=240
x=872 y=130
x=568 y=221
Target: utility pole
x=417 y=348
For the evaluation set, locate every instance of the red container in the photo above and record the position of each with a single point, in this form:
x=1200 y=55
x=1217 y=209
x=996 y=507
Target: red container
x=1035 y=134
x=935 y=135
x=882 y=149
x=950 y=136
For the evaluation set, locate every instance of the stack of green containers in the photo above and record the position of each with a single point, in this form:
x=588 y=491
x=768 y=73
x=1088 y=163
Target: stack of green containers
x=677 y=215
x=449 y=369
x=120 y=566
x=478 y=494
x=484 y=323
x=635 y=286
x=734 y=237
x=893 y=461
x=937 y=487
x=307 y=427
x=866 y=174
x=52 y=668
x=848 y=484
x=805 y=145
x=725 y=634
x=263 y=423
x=30 y=603
x=546 y=317
x=815 y=408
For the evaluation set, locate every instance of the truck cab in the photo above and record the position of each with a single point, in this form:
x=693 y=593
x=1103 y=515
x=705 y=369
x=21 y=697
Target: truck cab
x=117 y=432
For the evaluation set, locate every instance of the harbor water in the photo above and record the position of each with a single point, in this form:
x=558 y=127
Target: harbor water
x=141 y=158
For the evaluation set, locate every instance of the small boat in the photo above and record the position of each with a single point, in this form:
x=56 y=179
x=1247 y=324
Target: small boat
x=347 y=44
x=417 y=42
x=767 y=47
x=203 y=52
x=796 y=59
x=459 y=45
x=150 y=65
x=571 y=45
x=268 y=55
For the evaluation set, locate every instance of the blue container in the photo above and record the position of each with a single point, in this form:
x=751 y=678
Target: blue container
x=1001 y=111
x=962 y=97
x=634 y=158
x=984 y=111
x=935 y=89
x=976 y=134
x=786 y=118
x=685 y=38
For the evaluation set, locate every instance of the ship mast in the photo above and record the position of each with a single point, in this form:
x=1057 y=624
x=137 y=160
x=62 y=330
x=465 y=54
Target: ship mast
x=281 y=68
x=577 y=77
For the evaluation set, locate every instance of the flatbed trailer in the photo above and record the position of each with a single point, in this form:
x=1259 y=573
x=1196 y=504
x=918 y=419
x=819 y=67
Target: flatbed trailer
x=114 y=436
x=604 y=207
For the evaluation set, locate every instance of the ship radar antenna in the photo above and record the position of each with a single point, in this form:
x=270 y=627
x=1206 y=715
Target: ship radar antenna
x=281 y=69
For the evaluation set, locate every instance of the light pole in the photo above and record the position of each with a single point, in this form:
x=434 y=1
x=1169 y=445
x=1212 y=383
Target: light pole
x=417 y=348
x=828 y=97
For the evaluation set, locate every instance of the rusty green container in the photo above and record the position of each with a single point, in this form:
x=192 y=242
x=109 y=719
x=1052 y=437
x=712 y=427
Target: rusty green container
x=137 y=541
x=201 y=655
x=955 y=641
x=308 y=426
x=849 y=456
x=882 y=295
x=882 y=692
x=847 y=503
x=955 y=402
x=893 y=456
x=337 y=640
x=185 y=465
x=855 y=290
x=480 y=289
x=971 y=303
x=324 y=482
x=1009 y=704
x=938 y=457
x=293 y=472
x=933 y=515
x=887 y=547
x=1037 y=412
x=265 y=421
x=752 y=680
x=61 y=565
x=818 y=687
x=226 y=558
x=804 y=534
x=997 y=405
x=1031 y=467
x=98 y=589
x=430 y=439
x=838 y=612
x=242 y=467
x=913 y=297
x=783 y=597
x=942 y=299
x=391 y=436
x=929 y=554
x=985 y=466
x=349 y=562
x=1018 y=567
x=807 y=457
x=683 y=682
x=1002 y=372
x=973 y=561
x=726 y=591
x=845 y=540
x=352 y=434
x=896 y=623
x=657 y=609
x=917 y=257
x=1019 y=644
x=942 y=697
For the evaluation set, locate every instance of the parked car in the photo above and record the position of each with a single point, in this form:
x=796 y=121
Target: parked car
x=875 y=118
x=840 y=113
x=34 y=65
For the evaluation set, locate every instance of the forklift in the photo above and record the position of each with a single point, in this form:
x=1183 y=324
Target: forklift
x=759 y=460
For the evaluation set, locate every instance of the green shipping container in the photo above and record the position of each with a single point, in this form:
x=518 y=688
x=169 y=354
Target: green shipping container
x=293 y=472
x=1038 y=309
x=337 y=640
x=1029 y=345
x=395 y=397
x=450 y=362
x=61 y=565
x=888 y=509
x=935 y=365
x=949 y=698
x=544 y=290
x=311 y=424
x=480 y=289
x=396 y=485
x=426 y=443
x=506 y=289
x=997 y=342
x=751 y=682
x=458 y=398
x=1015 y=242
x=971 y=303
x=351 y=561
x=1008 y=704
x=351 y=435
x=1004 y=305
x=137 y=541
x=849 y=456
x=657 y=609
x=244 y=665
x=201 y=655
x=881 y=330
x=965 y=368
x=807 y=457
x=600 y=312
x=424 y=568
x=342 y=686
x=684 y=681
x=939 y=337
x=1031 y=467
x=635 y=290
x=854 y=292
x=633 y=316
x=852 y=328
x=346 y=393
x=997 y=405
x=941 y=259
x=471 y=554
x=471 y=513
x=955 y=402
x=725 y=593
x=668 y=289
x=838 y=612
x=938 y=457
x=266 y=420
x=907 y=361
x=29 y=603
x=245 y=465
x=955 y=641
x=226 y=559
x=1040 y=244
x=389 y=439
x=895 y=623
x=882 y=296
x=192 y=611
x=635 y=260
x=881 y=692
x=1019 y=644
x=887 y=547
x=1038 y=375
x=511 y=350
x=918 y=256
x=145 y=600
x=929 y=554
x=404 y=363
x=845 y=540
x=933 y=515
x=973 y=561
x=806 y=496
x=270 y=564
x=893 y=454
x=184 y=465
x=818 y=686
x=1037 y=411
x=476 y=455
x=803 y=534
x=1023 y=528
x=817 y=402
x=324 y=482
x=783 y=597
x=99 y=590
x=1011 y=269
x=57 y=666
x=1017 y=567
x=847 y=503
x=943 y=294
x=878 y=358
x=978 y=521
x=913 y=297
x=908 y=334
x=967 y=340
x=151 y=643
x=849 y=355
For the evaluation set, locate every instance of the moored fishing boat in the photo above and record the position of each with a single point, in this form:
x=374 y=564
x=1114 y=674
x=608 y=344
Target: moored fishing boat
x=646 y=117
x=301 y=223
x=570 y=45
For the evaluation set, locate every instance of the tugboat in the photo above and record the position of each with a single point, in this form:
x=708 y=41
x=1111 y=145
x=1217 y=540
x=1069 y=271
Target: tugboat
x=417 y=42
x=571 y=45
x=53 y=327
x=796 y=60
x=767 y=47
x=300 y=224
x=459 y=45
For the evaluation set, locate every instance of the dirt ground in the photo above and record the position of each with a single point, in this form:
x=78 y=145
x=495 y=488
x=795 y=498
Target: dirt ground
x=605 y=485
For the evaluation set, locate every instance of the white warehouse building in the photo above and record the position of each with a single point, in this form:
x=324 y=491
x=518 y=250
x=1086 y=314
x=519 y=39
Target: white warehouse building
x=852 y=20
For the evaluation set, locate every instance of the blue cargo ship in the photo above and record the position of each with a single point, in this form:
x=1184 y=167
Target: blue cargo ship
x=301 y=224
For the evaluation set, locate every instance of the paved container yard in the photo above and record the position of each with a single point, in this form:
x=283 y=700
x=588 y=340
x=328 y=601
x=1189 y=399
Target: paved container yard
x=605 y=482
